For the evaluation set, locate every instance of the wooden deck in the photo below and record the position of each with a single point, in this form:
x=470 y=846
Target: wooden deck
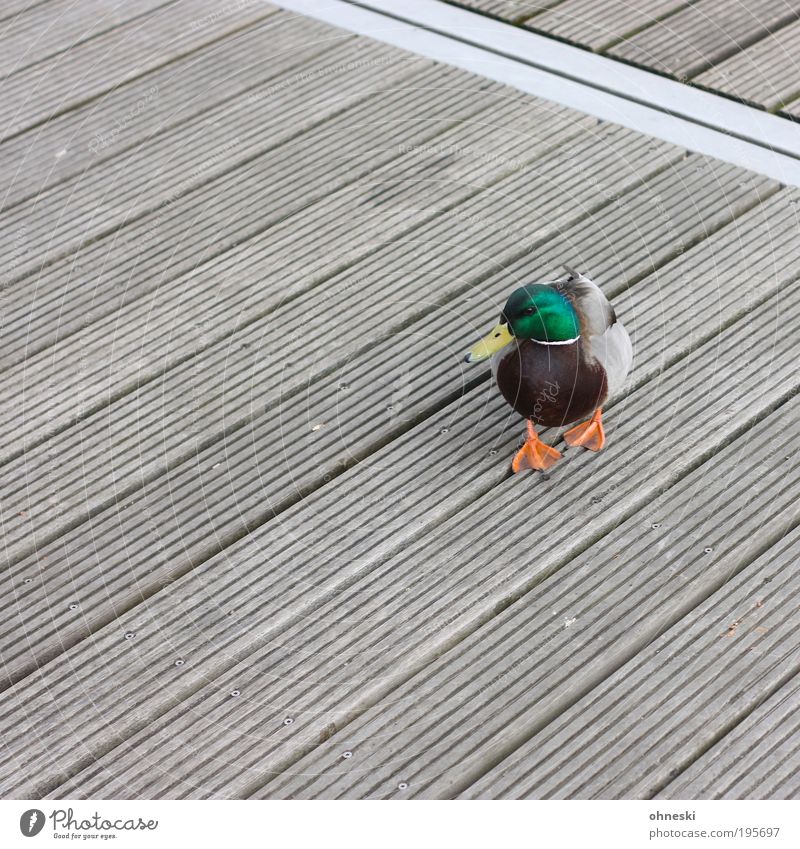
x=261 y=538
x=745 y=50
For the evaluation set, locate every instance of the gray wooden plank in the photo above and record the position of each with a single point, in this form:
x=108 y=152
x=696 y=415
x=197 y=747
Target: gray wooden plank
x=59 y=221
x=670 y=703
x=42 y=31
x=12 y=8
x=756 y=760
x=792 y=109
x=72 y=78
x=513 y=11
x=403 y=525
x=129 y=114
x=600 y=25
x=764 y=74
x=235 y=294
x=386 y=616
x=276 y=543
x=436 y=734
x=704 y=34
x=621 y=242
x=287 y=175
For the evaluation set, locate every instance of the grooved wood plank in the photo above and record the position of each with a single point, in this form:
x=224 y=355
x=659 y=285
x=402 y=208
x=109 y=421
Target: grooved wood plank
x=13 y=8
x=792 y=108
x=72 y=78
x=459 y=539
x=130 y=114
x=256 y=512
x=445 y=727
x=390 y=613
x=110 y=196
x=744 y=49
x=43 y=31
x=657 y=713
x=103 y=278
x=597 y=25
x=764 y=74
x=150 y=422
x=613 y=166
x=757 y=759
x=509 y=10
x=705 y=34
x=620 y=242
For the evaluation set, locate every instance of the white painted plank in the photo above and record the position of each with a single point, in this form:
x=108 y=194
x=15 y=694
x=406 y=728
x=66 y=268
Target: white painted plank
x=59 y=221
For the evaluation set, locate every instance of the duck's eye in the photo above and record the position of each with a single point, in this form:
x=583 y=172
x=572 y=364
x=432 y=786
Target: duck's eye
x=529 y=311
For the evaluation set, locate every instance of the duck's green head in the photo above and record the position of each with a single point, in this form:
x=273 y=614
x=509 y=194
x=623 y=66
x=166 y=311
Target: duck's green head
x=536 y=311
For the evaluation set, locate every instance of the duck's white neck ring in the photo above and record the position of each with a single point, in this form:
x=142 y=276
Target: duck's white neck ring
x=564 y=342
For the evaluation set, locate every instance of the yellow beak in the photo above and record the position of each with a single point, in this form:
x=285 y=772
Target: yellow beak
x=497 y=339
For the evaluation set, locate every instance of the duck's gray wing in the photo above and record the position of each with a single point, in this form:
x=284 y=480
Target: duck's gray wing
x=604 y=334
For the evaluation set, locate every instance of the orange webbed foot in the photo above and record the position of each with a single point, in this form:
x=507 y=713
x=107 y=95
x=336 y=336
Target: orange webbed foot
x=589 y=434
x=534 y=454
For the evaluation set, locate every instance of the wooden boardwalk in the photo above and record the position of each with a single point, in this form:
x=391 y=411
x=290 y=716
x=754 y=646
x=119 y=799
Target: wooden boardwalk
x=261 y=538
x=745 y=50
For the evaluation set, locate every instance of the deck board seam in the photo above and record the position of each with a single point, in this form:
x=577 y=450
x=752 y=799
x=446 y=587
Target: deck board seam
x=490 y=614
x=195 y=352
x=44 y=59
x=182 y=54
x=684 y=611
x=121 y=493
x=375 y=445
x=136 y=143
x=468 y=629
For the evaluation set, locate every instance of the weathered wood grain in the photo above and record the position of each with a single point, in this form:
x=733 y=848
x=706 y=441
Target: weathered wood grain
x=391 y=614
x=514 y=11
x=42 y=31
x=454 y=720
x=705 y=34
x=757 y=759
x=702 y=680
x=232 y=303
x=114 y=194
x=257 y=514
x=600 y=25
x=764 y=74
x=76 y=76
x=131 y=113
x=249 y=479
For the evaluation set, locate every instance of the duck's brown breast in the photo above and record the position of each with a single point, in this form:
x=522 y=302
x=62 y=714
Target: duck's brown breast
x=551 y=384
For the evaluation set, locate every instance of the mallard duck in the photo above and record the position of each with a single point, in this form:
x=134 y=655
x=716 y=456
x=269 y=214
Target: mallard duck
x=558 y=354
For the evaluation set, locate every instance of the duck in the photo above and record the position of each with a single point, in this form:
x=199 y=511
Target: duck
x=558 y=354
